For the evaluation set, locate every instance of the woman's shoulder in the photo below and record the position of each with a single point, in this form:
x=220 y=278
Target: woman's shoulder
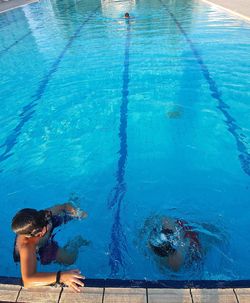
x=23 y=242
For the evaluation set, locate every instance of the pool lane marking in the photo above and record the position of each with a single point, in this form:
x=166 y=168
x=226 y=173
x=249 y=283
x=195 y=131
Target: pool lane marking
x=6 y=49
x=244 y=155
x=118 y=239
x=29 y=109
x=6 y=22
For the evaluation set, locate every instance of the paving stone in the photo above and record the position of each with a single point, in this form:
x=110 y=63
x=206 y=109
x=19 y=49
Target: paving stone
x=9 y=292
x=11 y=4
x=169 y=296
x=87 y=295
x=125 y=295
x=213 y=296
x=44 y=294
x=243 y=294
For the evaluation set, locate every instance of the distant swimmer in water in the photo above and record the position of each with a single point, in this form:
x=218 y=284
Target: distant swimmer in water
x=35 y=241
x=126 y=16
x=174 y=242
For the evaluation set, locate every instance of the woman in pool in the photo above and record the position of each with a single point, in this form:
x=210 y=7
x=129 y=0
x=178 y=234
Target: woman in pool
x=174 y=242
x=35 y=240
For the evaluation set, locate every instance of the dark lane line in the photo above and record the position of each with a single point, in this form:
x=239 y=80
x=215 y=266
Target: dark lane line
x=5 y=17
x=29 y=109
x=231 y=123
x=6 y=49
x=5 y=23
x=118 y=239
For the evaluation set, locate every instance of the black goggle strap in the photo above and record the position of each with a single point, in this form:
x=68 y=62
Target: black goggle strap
x=35 y=232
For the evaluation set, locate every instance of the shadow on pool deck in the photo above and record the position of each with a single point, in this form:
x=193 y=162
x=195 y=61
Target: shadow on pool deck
x=6 y=5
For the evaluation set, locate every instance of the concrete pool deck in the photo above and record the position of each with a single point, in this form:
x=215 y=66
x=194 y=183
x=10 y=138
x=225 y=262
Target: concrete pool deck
x=15 y=293
x=240 y=8
x=6 y=5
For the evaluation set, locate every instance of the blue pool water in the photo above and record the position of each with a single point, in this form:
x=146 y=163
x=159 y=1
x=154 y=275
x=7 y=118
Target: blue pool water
x=137 y=119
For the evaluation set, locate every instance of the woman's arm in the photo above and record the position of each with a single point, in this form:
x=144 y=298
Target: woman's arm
x=28 y=268
x=69 y=208
x=175 y=261
x=32 y=278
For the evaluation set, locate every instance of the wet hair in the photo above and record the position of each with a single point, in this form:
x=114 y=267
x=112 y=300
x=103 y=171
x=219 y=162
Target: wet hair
x=29 y=221
x=126 y=15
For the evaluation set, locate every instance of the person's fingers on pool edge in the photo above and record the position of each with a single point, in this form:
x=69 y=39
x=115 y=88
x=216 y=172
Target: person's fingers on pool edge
x=68 y=276
x=76 y=271
x=77 y=281
x=79 y=277
x=74 y=287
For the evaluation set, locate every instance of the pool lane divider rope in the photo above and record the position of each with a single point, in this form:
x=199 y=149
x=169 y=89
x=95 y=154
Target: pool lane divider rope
x=118 y=244
x=7 y=48
x=29 y=109
x=232 y=126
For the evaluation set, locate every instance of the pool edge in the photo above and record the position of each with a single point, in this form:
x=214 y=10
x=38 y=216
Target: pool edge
x=24 y=3
x=229 y=10
x=119 y=283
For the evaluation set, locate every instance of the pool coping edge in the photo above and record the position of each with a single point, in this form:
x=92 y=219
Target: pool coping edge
x=231 y=11
x=178 y=284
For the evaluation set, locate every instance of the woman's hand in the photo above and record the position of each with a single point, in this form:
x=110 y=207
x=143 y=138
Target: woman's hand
x=81 y=214
x=76 y=212
x=72 y=278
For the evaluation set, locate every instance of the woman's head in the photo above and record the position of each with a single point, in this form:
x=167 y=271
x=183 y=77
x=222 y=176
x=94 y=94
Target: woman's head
x=163 y=250
x=29 y=221
x=161 y=242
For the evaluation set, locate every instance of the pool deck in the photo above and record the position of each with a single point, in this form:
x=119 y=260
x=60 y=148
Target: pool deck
x=6 y=5
x=14 y=293
x=240 y=8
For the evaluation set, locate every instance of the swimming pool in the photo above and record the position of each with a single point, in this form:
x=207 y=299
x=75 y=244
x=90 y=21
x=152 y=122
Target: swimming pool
x=137 y=119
